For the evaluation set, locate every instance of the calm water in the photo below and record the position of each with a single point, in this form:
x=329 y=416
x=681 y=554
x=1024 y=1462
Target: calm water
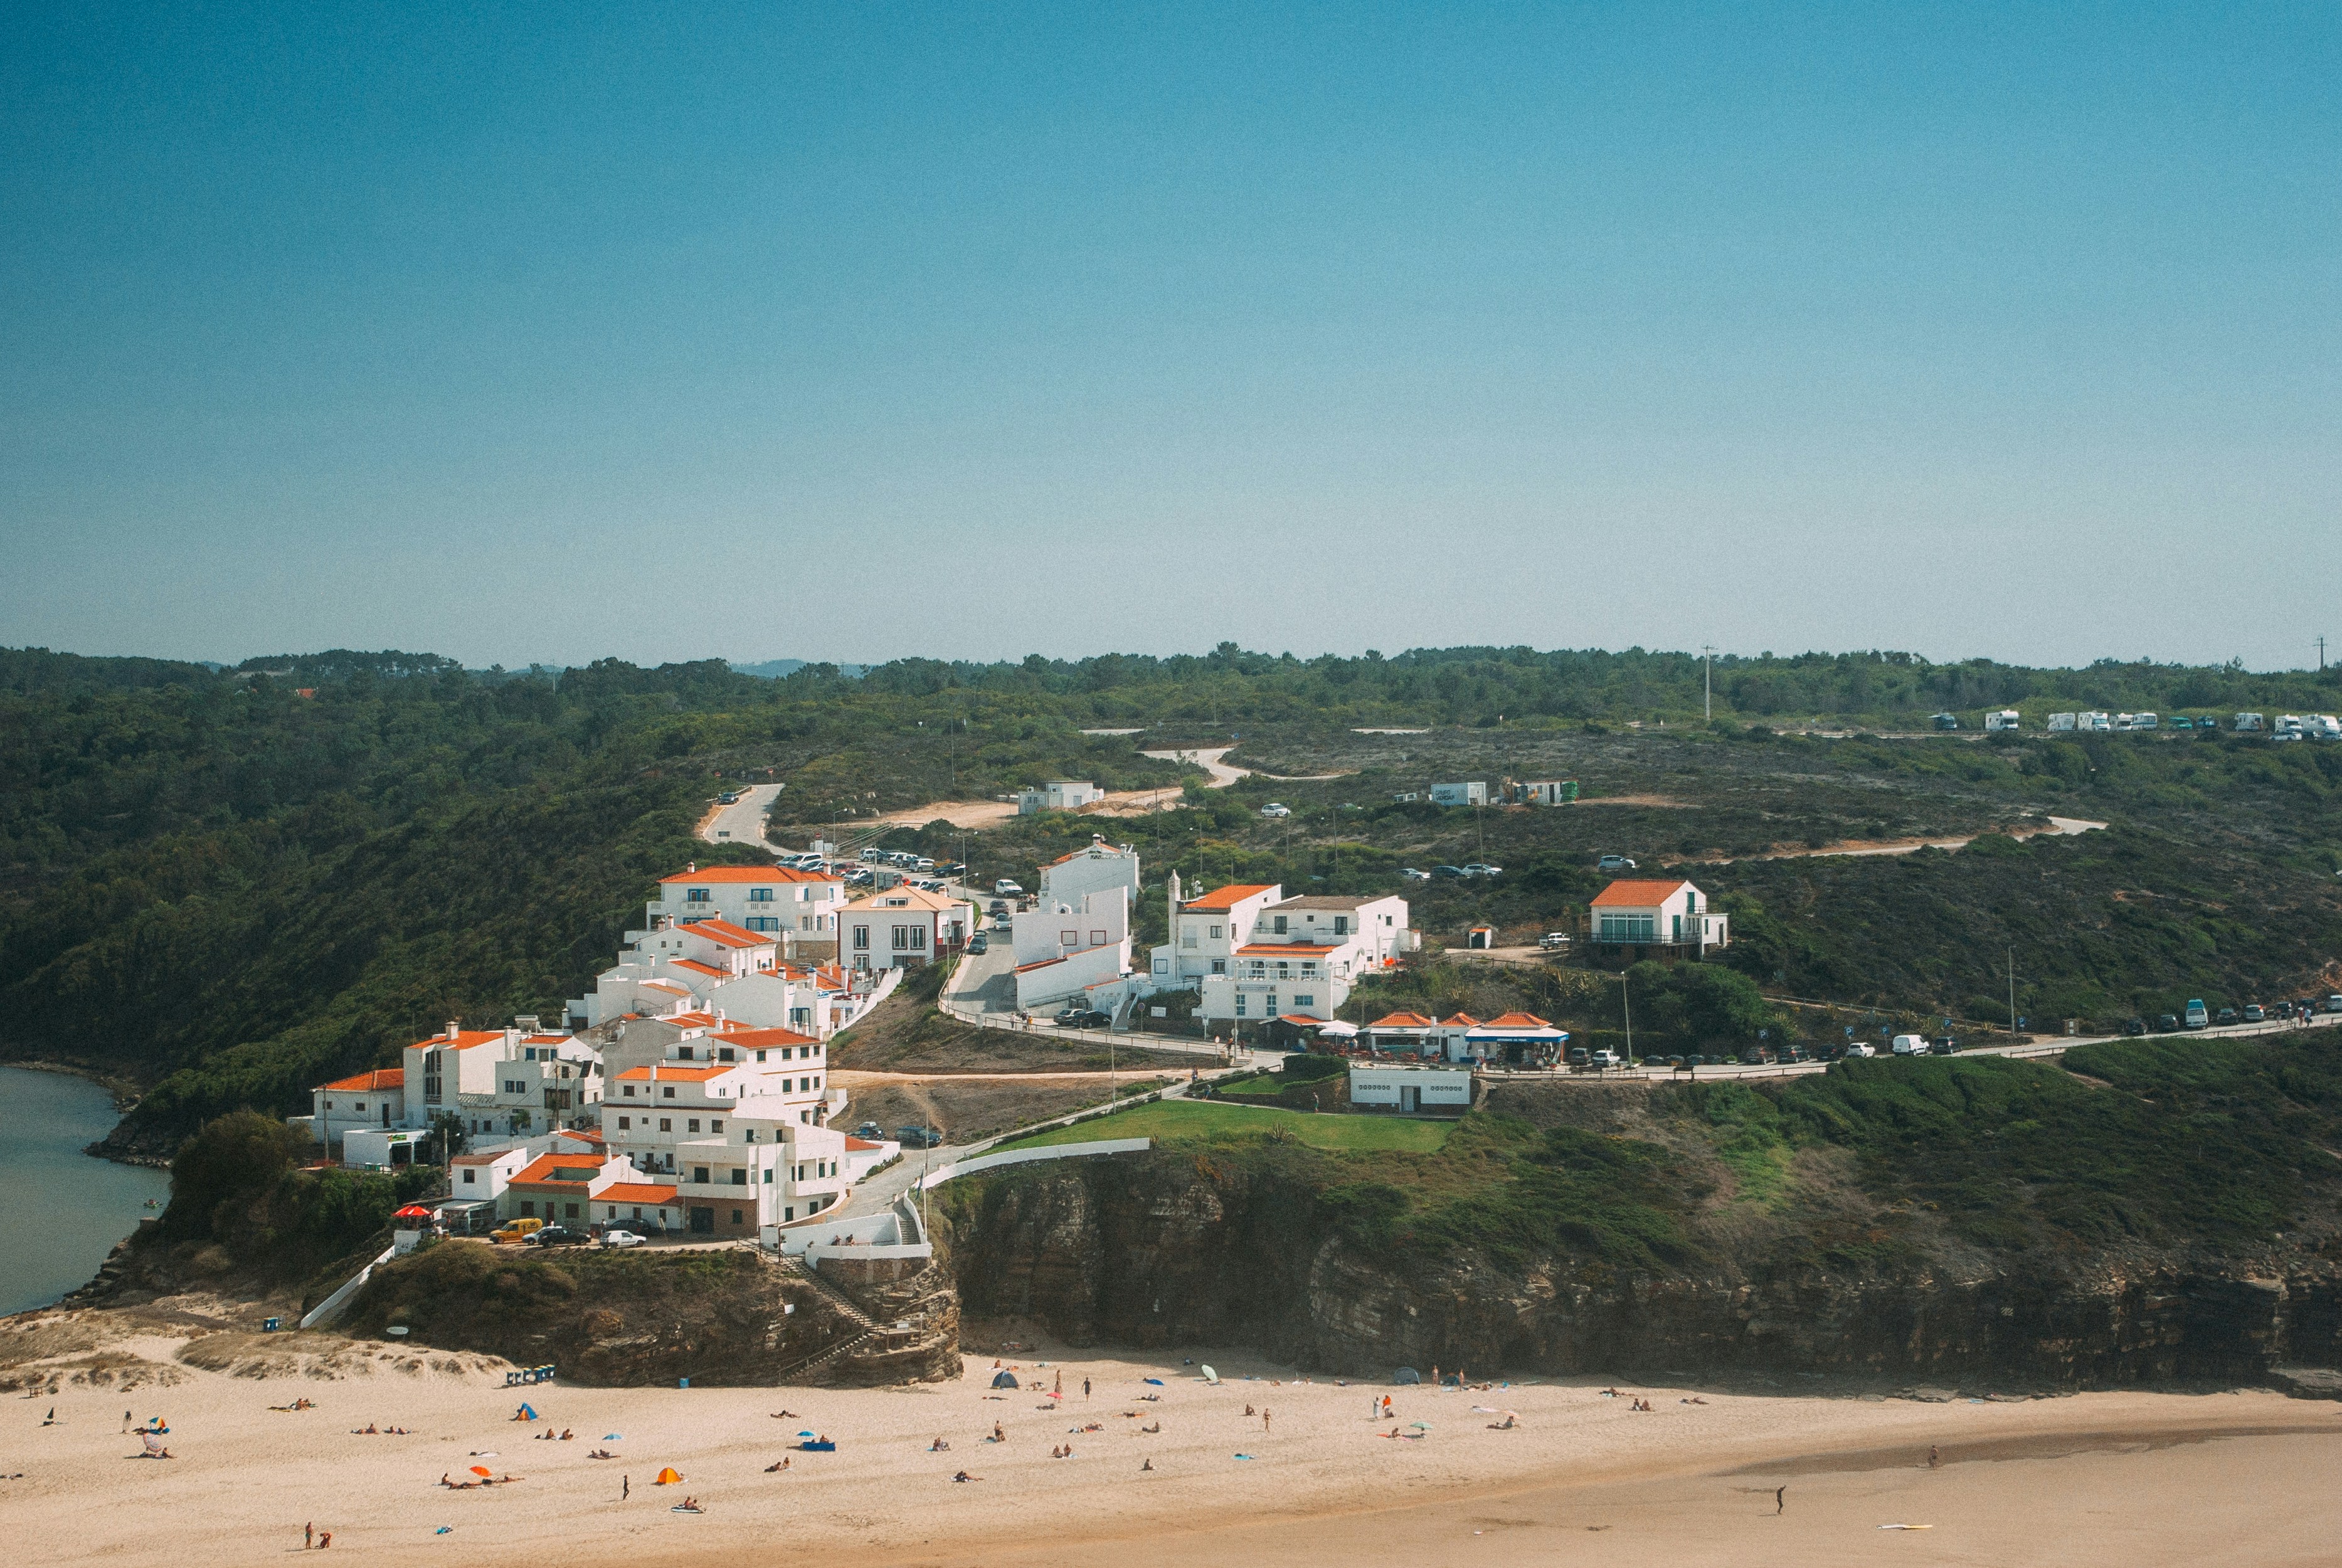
x=64 y=1211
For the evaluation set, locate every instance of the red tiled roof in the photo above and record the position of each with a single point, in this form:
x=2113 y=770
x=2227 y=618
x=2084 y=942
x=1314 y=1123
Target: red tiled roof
x=1301 y=1020
x=1648 y=894
x=1223 y=898
x=544 y=1170
x=762 y=1039
x=1038 y=963
x=693 y=1020
x=854 y=1143
x=1401 y=1021
x=693 y=964
x=463 y=1041
x=1517 y=1021
x=375 y=1080
x=738 y=874
x=669 y=1072
x=635 y=1193
x=1461 y=1021
x=728 y=934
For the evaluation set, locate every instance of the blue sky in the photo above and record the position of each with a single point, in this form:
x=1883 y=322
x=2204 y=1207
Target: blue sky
x=859 y=331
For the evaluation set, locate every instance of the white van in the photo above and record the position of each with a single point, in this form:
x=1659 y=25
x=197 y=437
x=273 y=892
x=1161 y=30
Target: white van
x=1908 y=1046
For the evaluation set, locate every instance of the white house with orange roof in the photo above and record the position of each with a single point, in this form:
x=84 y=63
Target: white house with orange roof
x=1401 y=1032
x=903 y=928
x=738 y=1144
x=799 y=907
x=374 y=1098
x=1656 y=917
x=1301 y=956
x=497 y=1082
x=1206 y=931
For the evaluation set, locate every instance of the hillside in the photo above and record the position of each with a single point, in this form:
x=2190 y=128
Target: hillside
x=2159 y=1213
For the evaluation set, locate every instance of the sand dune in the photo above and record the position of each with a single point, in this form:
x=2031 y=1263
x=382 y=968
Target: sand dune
x=2066 y=1480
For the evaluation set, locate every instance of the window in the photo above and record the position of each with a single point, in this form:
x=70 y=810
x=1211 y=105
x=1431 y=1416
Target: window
x=918 y=936
x=1304 y=999
x=760 y=895
x=1308 y=971
x=862 y=938
x=666 y=1092
x=1220 y=967
x=1256 y=970
x=569 y=1210
x=1268 y=1005
x=692 y=1125
x=739 y=1179
x=1216 y=934
x=760 y=1056
x=528 y=1208
x=1162 y=966
x=1065 y=938
x=763 y=923
x=1280 y=925
x=362 y=1104
x=697 y=895
x=805 y=923
x=1627 y=928
x=625 y=1122
x=1187 y=937
x=1341 y=925
x=469 y=1176
x=699 y=1175
x=630 y=1090
x=723 y=1054
x=768 y=1175
x=682 y=1053
x=736 y=1216
x=1098 y=939
x=666 y=1123
x=1240 y=1004
x=751 y=1135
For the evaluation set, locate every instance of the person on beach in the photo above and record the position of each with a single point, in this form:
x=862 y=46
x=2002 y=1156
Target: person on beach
x=964 y=1475
x=325 y=1540
x=939 y=1446
x=1264 y=1418
x=999 y=1435
x=1146 y=1464
x=1086 y=1388
x=1780 y=1500
x=625 y=1485
x=1934 y=1456
x=309 y=1532
x=1060 y=1388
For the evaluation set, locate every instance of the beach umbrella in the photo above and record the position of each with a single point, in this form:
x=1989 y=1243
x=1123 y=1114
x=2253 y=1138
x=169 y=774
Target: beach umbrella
x=412 y=1212
x=1209 y=1376
x=482 y=1470
x=669 y=1477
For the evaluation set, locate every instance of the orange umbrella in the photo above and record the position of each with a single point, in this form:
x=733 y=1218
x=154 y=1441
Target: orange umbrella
x=482 y=1470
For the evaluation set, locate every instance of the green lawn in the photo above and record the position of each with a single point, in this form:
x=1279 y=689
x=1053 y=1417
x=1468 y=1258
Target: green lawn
x=1203 y=1121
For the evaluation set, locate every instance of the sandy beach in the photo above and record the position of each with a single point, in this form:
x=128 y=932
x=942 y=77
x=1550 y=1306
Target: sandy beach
x=2118 y=1478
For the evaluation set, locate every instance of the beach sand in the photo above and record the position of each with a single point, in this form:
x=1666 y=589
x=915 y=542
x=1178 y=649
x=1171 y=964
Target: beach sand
x=2128 y=1479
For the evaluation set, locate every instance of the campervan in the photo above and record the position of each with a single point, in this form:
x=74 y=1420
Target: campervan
x=2096 y=723
x=2061 y=723
x=2002 y=721
x=2246 y=722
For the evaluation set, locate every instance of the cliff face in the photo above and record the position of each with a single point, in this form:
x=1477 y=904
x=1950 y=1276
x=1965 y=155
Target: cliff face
x=1164 y=1248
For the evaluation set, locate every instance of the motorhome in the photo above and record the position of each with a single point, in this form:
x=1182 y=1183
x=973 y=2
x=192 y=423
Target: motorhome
x=2289 y=726
x=2140 y=721
x=2095 y=722
x=2001 y=722
x=2246 y=722
x=2325 y=727
x=2061 y=723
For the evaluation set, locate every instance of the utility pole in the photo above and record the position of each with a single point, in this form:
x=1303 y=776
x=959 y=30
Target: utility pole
x=2012 y=991
x=1628 y=1002
x=2321 y=656
x=1707 y=682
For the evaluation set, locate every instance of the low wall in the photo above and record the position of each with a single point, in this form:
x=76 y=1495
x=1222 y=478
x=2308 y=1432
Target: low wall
x=975 y=1163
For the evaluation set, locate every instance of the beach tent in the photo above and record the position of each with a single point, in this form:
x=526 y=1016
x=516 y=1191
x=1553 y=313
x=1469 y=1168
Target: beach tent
x=669 y=1477
x=1407 y=1374
x=527 y=1412
x=1004 y=1380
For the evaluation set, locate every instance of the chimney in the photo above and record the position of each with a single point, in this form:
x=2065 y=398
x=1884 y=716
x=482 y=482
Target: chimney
x=691 y=868
x=452 y=1028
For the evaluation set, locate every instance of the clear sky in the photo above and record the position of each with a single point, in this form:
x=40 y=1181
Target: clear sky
x=854 y=332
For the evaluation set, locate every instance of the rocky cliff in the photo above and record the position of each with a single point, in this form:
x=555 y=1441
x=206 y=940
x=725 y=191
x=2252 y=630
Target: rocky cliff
x=1177 y=1247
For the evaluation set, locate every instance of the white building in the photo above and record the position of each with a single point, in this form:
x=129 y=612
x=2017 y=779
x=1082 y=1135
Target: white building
x=1669 y=914
x=1100 y=868
x=797 y=908
x=1059 y=794
x=1285 y=957
x=483 y=1177
x=1412 y=1088
x=1476 y=793
x=1065 y=951
x=726 y=1148
x=1206 y=931
x=497 y=1082
x=903 y=928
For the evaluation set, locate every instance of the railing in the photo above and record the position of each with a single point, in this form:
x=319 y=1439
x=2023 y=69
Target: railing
x=327 y=1311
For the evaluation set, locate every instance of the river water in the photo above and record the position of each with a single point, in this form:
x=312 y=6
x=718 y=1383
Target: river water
x=63 y=1210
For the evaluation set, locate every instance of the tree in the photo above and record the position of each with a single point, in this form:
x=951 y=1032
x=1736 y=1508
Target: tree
x=242 y=1152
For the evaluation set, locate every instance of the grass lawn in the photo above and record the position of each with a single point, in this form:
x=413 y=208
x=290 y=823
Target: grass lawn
x=1203 y=1121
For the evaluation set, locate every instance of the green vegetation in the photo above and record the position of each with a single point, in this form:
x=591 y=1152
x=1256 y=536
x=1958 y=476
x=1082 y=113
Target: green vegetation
x=235 y=1186
x=1182 y=1123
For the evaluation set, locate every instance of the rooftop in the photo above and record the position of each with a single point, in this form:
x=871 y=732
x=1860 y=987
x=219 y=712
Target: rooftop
x=1641 y=894
x=1229 y=897
x=1401 y=1021
x=634 y=1193
x=755 y=874
x=379 y=1078
x=672 y=1073
x=901 y=898
x=728 y=934
x=763 y=1039
x=462 y=1040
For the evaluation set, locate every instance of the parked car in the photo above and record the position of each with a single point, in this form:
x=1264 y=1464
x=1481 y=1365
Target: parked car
x=917 y=1137
x=559 y=1236
x=515 y=1230
x=1008 y=889
x=1602 y=1060
x=621 y=1239
x=1275 y=809
x=1085 y=1018
x=1576 y=1056
x=2198 y=1017
x=727 y=798
x=1859 y=1049
x=2167 y=1024
x=1554 y=940
x=2228 y=1015
x=1947 y=721
x=1945 y=1046
x=979 y=943
x=870 y=1132
x=1000 y=906
x=1447 y=872
x=1482 y=868
x=2334 y=1003
x=1408 y=874
x=2134 y=1026
x=1614 y=862
x=952 y=871
x=2255 y=1013
x=1908 y=1046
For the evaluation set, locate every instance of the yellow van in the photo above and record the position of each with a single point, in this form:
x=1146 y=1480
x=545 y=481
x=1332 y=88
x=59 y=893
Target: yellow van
x=518 y=1231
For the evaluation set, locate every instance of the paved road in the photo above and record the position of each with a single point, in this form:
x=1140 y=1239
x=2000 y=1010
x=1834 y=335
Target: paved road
x=742 y=822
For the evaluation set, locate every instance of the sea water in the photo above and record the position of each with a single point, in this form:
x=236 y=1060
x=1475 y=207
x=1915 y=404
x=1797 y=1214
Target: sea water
x=61 y=1212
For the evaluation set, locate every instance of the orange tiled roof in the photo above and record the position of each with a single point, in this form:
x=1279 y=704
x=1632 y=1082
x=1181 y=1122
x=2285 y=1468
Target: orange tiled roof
x=634 y=1193
x=1227 y=897
x=1401 y=1021
x=728 y=934
x=761 y=1039
x=1517 y=1021
x=1648 y=895
x=698 y=967
x=669 y=1072
x=375 y=1080
x=1461 y=1021
x=463 y=1041
x=757 y=874
x=544 y=1169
